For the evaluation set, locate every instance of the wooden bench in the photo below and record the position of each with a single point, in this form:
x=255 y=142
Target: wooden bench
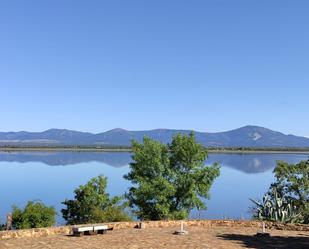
x=90 y=230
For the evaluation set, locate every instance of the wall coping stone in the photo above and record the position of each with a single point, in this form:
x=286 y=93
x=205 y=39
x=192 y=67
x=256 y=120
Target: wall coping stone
x=66 y=230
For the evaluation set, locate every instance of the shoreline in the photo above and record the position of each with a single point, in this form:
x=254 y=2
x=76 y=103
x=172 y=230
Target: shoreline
x=64 y=149
x=210 y=151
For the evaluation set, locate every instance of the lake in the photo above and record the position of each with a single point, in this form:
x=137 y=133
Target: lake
x=52 y=176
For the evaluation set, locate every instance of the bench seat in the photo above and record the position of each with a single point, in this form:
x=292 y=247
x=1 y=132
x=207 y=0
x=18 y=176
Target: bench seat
x=90 y=230
x=100 y=229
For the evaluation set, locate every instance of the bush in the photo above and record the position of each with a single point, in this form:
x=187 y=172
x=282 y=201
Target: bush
x=110 y=214
x=292 y=181
x=290 y=200
x=93 y=205
x=34 y=215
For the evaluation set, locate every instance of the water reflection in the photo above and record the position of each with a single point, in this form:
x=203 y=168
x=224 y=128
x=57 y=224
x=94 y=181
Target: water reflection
x=253 y=163
x=63 y=158
x=24 y=176
x=249 y=163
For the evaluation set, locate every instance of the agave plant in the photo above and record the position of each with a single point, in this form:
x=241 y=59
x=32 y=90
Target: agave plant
x=275 y=208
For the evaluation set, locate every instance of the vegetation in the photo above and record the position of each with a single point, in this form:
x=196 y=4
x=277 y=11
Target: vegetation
x=111 y=214
x=275 y=208
x=262 y=149
x=288 y=197
x=2 y=226
x=169 y=180
x=92 y=204
x=292 y=180
x=34 y=215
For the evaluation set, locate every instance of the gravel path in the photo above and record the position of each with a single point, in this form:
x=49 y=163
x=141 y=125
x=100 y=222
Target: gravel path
x=198 y=237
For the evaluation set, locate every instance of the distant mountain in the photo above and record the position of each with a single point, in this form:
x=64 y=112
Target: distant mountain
x=248 y=136
x=52 y=136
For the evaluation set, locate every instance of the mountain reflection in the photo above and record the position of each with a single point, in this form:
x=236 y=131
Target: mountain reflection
x=252 y=163
x=64 y=158
x=248 y=163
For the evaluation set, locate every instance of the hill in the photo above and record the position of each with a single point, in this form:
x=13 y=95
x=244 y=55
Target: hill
x=248 y=136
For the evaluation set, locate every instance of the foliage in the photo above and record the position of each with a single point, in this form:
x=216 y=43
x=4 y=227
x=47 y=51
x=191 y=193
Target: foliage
x=292 y=186
x=292 y=181
x=275 y=208
x=34 y=215
x=169 y=180
x=110 y=214
x=92 y=204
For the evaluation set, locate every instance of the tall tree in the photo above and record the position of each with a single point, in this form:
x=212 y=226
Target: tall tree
x=169 y=180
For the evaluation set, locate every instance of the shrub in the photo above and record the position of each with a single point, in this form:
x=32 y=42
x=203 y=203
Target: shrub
x=292 y=181
x=110 y=214
x=288 y=197
x=34 y=215
x=276 y=208
x=93 y=205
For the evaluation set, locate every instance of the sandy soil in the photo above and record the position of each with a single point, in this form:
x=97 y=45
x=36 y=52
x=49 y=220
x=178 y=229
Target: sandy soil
x=198 y=237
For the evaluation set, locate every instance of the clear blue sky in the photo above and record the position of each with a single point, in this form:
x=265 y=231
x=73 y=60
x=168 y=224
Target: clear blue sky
x=203 y=65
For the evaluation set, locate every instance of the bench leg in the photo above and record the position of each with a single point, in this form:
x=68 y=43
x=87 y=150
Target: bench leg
x=104 y=231
x=78 y=234
x=90 y=232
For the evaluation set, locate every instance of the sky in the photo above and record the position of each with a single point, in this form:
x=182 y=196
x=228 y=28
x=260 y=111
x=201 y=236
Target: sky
x=202 y=65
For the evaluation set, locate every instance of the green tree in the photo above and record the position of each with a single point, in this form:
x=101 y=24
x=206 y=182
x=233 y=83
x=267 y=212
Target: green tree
x=34 y=215
x=169 y=180
x=290 y=200
x=92 y=204
x=292 y=181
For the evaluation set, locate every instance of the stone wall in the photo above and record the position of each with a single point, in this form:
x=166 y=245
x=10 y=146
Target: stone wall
x=66 y=230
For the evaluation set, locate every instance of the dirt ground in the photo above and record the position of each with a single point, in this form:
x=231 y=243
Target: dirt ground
x=198 y=237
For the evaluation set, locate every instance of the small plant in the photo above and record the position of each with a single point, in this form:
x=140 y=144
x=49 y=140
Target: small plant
x=275 y=208
x=34 y=215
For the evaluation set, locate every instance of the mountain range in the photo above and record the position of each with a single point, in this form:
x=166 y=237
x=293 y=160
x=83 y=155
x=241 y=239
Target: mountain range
x=247 y=136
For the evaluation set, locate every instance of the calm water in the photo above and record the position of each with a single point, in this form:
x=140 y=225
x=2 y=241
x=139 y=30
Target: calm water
x=52 y=176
